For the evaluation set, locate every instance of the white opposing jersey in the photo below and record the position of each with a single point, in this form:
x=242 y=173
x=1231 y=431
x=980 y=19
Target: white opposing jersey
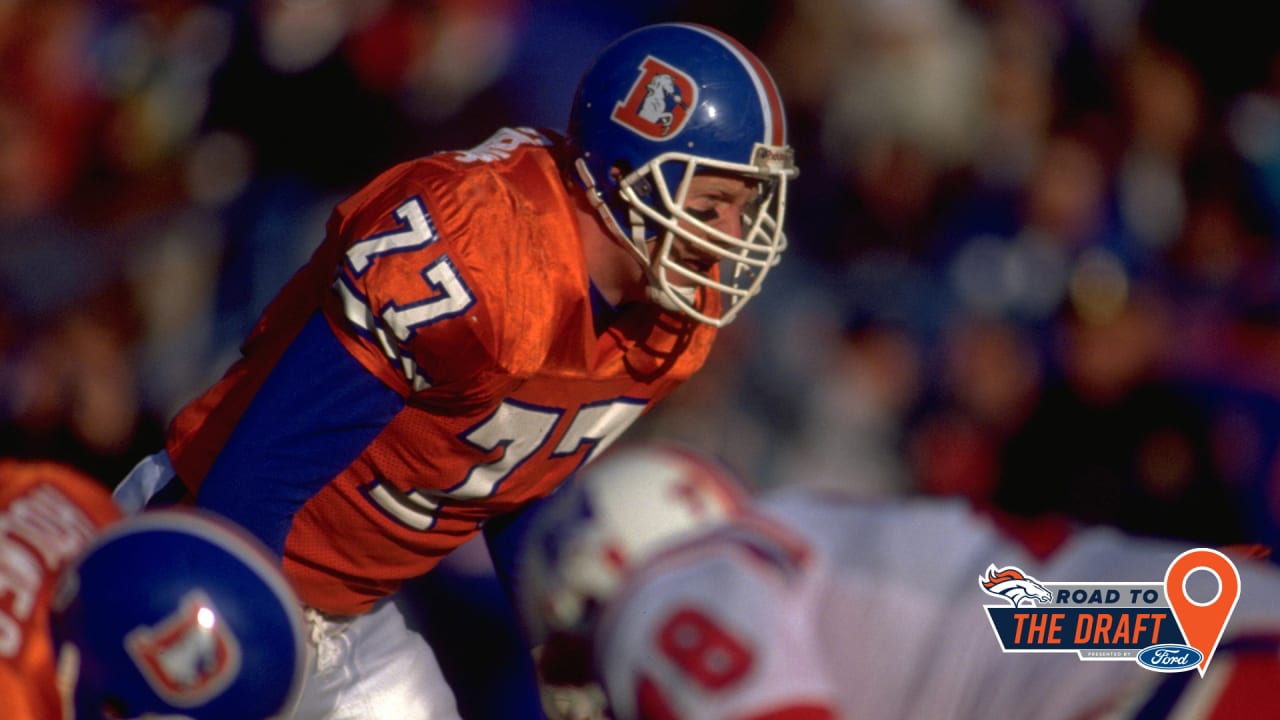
x=828 y=608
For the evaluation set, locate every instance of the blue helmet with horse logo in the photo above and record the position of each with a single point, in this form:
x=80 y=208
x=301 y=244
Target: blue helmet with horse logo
x=658 y=106
x=177 y=613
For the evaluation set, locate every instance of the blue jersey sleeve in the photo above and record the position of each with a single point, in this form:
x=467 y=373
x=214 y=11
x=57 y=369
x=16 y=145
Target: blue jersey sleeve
x=316 y=412
x=504 y=535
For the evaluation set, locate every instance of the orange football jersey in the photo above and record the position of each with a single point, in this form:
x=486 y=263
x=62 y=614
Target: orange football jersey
x=440 y=360
x=48 y=514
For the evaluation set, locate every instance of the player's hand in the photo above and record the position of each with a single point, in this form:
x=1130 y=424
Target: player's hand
x=573 y=702
x=565 y=685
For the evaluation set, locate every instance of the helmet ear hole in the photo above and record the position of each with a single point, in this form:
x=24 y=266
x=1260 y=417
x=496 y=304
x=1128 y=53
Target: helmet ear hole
x=617 y=172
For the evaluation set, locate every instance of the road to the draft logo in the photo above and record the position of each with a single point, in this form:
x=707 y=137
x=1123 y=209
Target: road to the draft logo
x=1157 y=624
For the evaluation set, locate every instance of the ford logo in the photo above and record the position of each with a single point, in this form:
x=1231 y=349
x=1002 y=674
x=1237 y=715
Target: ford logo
x=1169 y=657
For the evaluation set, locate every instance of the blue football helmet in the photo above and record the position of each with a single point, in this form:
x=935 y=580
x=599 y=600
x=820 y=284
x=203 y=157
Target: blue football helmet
x=177 y=614
x=658 y=106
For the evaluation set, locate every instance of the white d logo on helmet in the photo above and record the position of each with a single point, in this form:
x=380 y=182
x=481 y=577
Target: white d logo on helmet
x=659 y=103
x=188 y=657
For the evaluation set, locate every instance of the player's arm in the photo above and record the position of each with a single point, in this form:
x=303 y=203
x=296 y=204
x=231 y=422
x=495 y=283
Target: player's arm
x=504 y=535
x=567 y=689
x=353 y=365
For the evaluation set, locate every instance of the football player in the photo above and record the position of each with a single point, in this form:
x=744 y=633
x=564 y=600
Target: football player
x=207 y=628
x=645 y=583
x=473 y=328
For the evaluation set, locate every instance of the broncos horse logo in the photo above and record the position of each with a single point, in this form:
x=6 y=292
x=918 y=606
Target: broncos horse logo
x=659 y=95
x=660 y=101
x=188 y=656
x=1013 y=585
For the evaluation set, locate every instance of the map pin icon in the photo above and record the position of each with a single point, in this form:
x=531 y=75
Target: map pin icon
x=1202 y=623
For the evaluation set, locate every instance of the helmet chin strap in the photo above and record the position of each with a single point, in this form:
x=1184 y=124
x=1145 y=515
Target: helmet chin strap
x=654 y=289
x=601 y=206
x=657 y=295
x=660 y=290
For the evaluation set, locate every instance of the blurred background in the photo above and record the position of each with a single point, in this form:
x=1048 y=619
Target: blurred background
x=1033 y=259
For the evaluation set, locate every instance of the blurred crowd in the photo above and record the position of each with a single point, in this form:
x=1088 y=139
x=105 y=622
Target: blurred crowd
x=1033 y=246
x=1033 y=256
